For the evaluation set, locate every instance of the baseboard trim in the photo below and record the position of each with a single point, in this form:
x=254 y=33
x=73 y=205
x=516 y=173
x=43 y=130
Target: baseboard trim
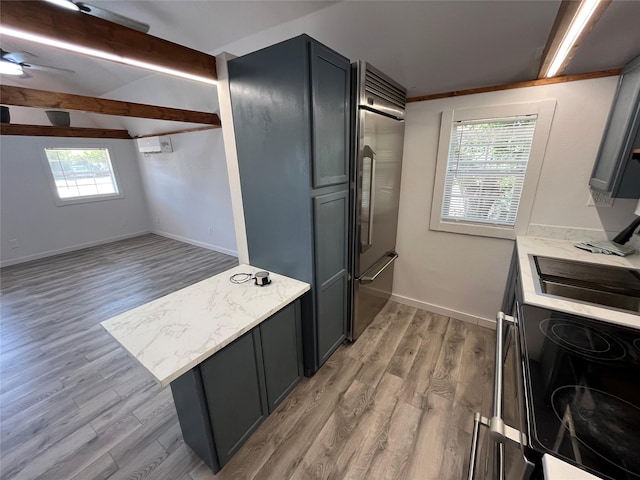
x=73 y=248
x=465 y=317
x=208 y=246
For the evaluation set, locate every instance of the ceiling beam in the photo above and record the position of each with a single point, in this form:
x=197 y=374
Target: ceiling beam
x=176 y=132
x=50 y=131
x=566 y=13
x=59 y=25
x=510 y=86
x=29 y=97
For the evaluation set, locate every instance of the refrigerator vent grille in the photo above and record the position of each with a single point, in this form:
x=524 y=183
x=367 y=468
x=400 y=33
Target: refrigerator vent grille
x=380 y=87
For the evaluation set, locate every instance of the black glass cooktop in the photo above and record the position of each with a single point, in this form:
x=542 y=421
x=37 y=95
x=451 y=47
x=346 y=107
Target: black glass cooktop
x=584 y=391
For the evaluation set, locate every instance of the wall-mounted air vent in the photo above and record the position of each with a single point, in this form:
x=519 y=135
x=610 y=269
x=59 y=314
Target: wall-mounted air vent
x=382 y=87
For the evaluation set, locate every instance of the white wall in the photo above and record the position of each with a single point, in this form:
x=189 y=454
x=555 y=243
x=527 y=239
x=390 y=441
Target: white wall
x=188 y=191
x=233 y=171
x=29 y=214
x=463 y=275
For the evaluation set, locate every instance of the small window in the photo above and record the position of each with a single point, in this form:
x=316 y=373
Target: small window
x=488 y=167
x=82 y=174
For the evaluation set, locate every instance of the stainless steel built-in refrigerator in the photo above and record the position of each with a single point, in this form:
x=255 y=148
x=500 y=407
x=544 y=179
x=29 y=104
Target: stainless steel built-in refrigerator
x=376 y=166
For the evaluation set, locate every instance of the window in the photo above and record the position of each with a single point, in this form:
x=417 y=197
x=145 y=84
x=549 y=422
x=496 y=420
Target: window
x=82 y=174
x=489 y=161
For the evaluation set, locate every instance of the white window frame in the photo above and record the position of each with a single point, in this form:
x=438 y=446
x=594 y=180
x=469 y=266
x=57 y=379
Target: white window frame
x=544 y=111
x=86 y=198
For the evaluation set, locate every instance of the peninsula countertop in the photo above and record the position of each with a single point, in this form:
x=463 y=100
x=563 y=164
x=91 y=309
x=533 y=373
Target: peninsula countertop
x=174 y=333
x=546 y=247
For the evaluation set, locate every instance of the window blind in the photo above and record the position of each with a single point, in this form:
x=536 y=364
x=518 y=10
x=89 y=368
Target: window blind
x=486 y=168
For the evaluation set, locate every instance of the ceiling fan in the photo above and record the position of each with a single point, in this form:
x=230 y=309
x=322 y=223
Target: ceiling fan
x=17 y=63
x=101 y=13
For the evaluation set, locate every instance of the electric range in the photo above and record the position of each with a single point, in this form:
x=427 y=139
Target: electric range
x=582 y=384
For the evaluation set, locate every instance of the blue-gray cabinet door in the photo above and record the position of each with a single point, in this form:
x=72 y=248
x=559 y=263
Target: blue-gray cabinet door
x=330 y=100
x=282 y=353
x=330 y=232
x=615 y=171
x=233 y=381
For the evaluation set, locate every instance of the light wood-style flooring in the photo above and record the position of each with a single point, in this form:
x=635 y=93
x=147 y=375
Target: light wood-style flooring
x=398 y=403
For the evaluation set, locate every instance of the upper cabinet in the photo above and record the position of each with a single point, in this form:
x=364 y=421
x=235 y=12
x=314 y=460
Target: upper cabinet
x=330 y=124
x=616 y=170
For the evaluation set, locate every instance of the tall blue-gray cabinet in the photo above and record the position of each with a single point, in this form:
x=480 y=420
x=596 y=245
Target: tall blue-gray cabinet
x=291 y=110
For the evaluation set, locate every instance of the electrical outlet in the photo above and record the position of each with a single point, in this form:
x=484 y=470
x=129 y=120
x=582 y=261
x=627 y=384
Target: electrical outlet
x=13 y=243
x=599 y=199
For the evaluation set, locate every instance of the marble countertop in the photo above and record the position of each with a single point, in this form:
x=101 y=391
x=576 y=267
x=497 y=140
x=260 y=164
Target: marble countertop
x=556 y=469
x=530 y=246
x=174 y=333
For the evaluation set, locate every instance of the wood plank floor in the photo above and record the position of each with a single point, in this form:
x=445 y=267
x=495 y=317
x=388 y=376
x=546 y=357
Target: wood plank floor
x=397 y=403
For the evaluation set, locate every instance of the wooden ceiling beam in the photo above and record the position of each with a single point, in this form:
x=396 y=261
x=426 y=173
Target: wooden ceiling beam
x=29 y=97
x=58 y=24
x=50 y=131
x=510 y=86
x=566 y=13
x=176 y=132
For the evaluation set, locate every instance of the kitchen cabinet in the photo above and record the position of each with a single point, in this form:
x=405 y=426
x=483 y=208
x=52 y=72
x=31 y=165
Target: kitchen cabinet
x=291 y=104
x=281 y=343
x=616 y=170
x=223 y=400
x=233 y=382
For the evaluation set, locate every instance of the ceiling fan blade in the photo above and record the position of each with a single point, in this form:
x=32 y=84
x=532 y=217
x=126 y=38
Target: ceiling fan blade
x=18 y=57
x=46 y=68
x=15 y=57
x=112 y=17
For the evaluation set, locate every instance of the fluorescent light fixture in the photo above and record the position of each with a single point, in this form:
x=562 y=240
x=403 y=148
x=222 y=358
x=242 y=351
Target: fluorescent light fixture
x=10 y=68
x=71 y=47
x=65 y=4
x=579 y=22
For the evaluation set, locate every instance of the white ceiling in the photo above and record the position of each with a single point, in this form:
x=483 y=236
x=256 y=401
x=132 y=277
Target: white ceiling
x=429 y=46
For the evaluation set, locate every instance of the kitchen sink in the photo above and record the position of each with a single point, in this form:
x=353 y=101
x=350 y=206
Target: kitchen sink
x=603 y=285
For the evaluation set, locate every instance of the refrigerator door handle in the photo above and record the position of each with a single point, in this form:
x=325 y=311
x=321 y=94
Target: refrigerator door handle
x=367 y=152
x=367 y=278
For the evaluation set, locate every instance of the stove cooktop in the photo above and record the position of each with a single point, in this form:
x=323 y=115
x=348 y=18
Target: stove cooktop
x=584 y=386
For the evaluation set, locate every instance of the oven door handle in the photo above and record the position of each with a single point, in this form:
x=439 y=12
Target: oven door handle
x=500 y=433
x=497 y=428
x=478 y=421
